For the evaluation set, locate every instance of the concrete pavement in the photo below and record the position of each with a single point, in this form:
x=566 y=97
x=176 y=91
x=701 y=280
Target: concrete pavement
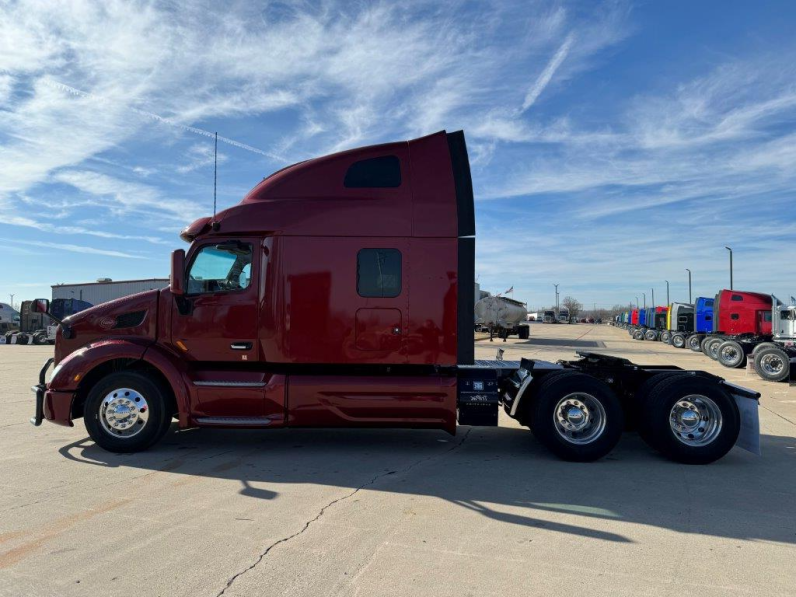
x=394 y=512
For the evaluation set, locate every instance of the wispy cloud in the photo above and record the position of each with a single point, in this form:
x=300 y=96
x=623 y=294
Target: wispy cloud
x=547 y=74
x=74 y=248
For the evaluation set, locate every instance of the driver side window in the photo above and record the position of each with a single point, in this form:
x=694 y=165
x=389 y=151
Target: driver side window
x=223 y=267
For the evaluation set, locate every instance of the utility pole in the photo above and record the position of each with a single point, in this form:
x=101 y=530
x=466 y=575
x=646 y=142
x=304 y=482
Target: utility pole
x=689 y=285
x=730 y=250
x=556 y=285
x=667 y=293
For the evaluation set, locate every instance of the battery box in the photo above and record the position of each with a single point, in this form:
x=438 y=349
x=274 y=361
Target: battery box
x=477 y=397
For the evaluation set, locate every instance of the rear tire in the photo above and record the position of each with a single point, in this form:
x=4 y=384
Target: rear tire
x=121 y=403
x=638 y=335
x=763 y=345
x=524 y=332
x=772 y=363
x=678 y=340
x=731 y=354
x=690 y=419
x=651 y=335
x=639 y=404
x=666 y=336
x=576 y=416
x=702 y=345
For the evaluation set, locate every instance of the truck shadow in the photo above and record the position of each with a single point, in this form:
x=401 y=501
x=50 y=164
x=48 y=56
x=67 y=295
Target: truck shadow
x=499 y=472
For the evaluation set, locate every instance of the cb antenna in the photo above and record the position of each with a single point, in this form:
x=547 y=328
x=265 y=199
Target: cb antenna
x=215 y=175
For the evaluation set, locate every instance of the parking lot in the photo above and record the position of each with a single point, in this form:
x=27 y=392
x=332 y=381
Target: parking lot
x=394 y=512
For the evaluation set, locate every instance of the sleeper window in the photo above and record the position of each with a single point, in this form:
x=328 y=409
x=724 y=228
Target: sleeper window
x=379 y=273
x=375 y=173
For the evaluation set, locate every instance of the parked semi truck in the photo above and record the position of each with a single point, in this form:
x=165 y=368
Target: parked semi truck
x=679 y=321
x=37 y=328
x=331 y=297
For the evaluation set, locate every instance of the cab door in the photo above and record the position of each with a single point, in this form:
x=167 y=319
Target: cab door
x=217 y=318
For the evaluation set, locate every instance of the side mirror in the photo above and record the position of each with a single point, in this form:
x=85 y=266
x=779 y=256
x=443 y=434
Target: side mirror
x=177 y=280
x=40 y=306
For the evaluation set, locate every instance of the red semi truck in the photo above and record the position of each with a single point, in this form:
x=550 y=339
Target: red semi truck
x=339 y=293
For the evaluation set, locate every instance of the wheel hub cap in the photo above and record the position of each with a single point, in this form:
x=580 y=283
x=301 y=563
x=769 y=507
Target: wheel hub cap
x=729 y=353
x=772 y=364
x=579 y=418
x=124 y=412
x=695 y=420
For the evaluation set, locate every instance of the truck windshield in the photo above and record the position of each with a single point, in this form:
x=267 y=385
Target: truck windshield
x=218 y=268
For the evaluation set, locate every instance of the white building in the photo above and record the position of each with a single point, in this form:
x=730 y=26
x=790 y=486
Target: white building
x=105 y=289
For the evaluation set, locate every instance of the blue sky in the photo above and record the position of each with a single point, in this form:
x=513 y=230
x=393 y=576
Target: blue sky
x=613 y=144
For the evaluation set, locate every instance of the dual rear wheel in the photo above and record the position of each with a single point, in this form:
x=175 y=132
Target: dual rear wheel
x=686 y=418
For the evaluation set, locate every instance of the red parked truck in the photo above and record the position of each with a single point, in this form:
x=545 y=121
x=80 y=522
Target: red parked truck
x=339 y=293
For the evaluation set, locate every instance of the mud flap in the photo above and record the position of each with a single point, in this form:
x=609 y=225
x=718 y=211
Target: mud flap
x=749 y=436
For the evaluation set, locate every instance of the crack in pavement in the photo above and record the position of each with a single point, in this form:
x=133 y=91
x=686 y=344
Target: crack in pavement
x=323 y=510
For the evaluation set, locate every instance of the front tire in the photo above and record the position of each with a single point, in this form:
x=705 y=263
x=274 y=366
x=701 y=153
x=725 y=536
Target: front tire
x=576 y=416
x=638 y=335
x=666 y=336
x=678 y=340
x=730 y=354
x=127 y=412
x=713 y=348
x=772 y=363
x=695 y=343
x=690 y=419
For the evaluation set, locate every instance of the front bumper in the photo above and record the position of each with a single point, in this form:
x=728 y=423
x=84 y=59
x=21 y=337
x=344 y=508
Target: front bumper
x=40 y=389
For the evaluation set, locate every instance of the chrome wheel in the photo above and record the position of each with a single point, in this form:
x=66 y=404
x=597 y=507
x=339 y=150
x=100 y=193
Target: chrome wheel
x=695 y=420
x=729 y=354
x=771 y=364
x=579 y=418
x=124 y=413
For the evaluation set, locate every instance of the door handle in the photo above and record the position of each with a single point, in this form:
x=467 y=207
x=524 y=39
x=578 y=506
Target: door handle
x=241 y=346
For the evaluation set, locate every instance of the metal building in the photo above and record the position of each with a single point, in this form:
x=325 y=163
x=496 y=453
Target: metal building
x=105 y=289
